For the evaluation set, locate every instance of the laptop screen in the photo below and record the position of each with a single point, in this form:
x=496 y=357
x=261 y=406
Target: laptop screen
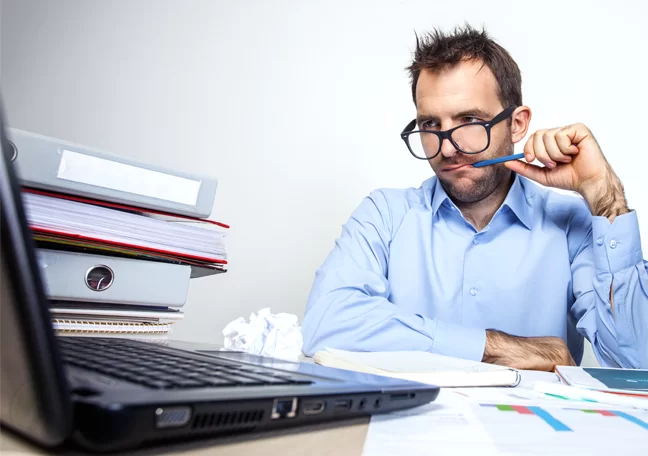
x=33 y=395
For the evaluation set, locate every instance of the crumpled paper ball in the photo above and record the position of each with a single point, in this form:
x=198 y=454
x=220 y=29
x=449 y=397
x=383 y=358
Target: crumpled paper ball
x=266 y=334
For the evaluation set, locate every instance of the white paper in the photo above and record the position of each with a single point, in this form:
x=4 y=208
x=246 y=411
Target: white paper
x=266 y=334
x=446 y=426
x=455 y=424
x=111 y=225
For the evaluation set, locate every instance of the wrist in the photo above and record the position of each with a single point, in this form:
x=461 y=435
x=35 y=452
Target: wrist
x=532 y=353
x=605 y=197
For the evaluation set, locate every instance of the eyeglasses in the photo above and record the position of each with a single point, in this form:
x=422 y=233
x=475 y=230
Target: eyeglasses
x=469 y=138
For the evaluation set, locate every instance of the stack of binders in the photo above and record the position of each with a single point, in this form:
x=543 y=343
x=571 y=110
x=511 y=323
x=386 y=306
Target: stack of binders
x=117 y=240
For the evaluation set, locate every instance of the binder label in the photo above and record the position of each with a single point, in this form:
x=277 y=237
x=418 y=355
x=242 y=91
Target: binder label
x=86 y=169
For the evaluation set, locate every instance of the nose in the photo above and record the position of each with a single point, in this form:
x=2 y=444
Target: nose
x=447 y=148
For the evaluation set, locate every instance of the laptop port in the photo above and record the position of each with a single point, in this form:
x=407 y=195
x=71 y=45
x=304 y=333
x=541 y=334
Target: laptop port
x=284 y=408
x=343 y=404
x=313 y=407
x=377 y=403
x=362 y=404
x=400 y=397
x=172 y=417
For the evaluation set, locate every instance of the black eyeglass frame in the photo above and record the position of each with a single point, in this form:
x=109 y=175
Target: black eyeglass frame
x=447 y=134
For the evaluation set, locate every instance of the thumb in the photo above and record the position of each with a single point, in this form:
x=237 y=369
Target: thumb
x=533 y=172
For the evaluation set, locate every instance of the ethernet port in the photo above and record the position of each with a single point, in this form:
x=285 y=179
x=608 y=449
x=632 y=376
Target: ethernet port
x=284 y=408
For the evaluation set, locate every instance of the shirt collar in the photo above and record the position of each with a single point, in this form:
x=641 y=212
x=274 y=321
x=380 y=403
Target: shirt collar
x=516 y=200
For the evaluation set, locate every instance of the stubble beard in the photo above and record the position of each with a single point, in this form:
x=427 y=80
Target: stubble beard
x=467 y=191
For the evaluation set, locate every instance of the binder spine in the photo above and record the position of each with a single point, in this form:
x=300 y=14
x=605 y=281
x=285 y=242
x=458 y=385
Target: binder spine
x=53 y=164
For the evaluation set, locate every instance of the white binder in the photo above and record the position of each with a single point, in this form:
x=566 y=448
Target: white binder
x=72 y=276
x=56 y=165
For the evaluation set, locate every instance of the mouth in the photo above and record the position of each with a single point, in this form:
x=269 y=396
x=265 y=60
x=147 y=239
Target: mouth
x=452 y=168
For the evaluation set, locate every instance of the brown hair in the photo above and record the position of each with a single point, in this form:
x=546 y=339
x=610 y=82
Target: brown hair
x=437 y=51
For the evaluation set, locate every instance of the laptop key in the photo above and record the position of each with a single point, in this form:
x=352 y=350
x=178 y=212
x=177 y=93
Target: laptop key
x=242 y=380
x=216 y=381
x=157 y=384
x=187 y=383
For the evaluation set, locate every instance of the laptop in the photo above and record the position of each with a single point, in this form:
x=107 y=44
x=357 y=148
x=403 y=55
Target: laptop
x=112 y=394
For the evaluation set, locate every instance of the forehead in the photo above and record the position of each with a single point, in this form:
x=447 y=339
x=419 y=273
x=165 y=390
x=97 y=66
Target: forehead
x=467 y=85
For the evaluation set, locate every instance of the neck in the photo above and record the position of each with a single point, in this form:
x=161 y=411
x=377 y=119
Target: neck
x=479 y=213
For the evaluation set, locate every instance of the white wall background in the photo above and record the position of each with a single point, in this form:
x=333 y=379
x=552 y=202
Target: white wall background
x=296 y=107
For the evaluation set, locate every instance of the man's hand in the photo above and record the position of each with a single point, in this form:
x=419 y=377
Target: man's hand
x=533 y=353
x=573 y=160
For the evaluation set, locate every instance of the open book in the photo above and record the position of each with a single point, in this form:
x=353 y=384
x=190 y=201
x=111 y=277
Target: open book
x=421 y=367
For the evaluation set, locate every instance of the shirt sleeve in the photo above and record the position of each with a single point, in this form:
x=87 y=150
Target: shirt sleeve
x=612 y=257
x=349 y=308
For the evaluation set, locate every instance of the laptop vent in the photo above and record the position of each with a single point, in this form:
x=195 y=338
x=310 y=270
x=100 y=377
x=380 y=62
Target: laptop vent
x=227 y=419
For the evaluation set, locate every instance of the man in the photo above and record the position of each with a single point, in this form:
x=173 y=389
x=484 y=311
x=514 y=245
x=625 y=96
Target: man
x=482 y=263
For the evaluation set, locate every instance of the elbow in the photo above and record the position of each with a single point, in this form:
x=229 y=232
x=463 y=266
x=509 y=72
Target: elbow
x=317 y=335
x=310 y=337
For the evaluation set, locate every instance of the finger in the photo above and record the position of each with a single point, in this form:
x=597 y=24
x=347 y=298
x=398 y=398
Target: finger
x=552 y=148
x=533 y=172
x=529 y=154
x=540 y=151
x=565 y=142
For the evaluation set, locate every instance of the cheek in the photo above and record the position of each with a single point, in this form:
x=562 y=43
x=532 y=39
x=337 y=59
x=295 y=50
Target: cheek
x=435 y=163
x=499 y=146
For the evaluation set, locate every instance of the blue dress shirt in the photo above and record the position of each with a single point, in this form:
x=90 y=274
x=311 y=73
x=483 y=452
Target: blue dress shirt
x=410 y=273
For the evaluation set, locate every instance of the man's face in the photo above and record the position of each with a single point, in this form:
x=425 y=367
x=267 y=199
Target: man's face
x=462 y=94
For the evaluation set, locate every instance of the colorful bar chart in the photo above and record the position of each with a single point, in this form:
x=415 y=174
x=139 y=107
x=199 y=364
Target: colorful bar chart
x=558 y=425
x=541 y=413
x=625 y=416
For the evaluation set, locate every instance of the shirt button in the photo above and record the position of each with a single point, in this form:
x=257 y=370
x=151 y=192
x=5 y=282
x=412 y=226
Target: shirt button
x=613 y=244
x=475 y=241
x=473 y=292
x=599 y=241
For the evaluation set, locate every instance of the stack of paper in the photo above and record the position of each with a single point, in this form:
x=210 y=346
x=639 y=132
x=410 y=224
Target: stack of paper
x=82 y=221
x=107 y=320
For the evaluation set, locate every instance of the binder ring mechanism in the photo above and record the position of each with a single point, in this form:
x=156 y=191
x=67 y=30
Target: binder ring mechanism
x=99 y=277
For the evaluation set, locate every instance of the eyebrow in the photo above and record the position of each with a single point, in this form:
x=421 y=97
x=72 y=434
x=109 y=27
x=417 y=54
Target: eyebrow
x=474 y=112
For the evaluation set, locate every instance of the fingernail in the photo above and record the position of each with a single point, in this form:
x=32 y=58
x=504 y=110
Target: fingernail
x=551 y=165
x=528 y=157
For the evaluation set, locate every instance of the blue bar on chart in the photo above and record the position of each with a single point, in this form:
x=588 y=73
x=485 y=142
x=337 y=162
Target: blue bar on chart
x=541 y=413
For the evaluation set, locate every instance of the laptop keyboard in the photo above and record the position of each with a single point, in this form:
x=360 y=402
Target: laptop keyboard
x=159 y=369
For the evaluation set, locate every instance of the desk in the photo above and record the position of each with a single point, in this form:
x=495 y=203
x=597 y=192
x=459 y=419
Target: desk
x=315 y=440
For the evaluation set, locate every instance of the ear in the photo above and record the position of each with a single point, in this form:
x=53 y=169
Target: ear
x=520 y=120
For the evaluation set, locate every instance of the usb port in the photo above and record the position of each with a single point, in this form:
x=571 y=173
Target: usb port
x=342 y=404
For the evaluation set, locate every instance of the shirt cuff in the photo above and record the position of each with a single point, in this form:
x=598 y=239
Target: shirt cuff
x=459 y=341
x=617 y=245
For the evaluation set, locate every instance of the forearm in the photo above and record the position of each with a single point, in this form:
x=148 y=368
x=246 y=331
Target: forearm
x=354 y=321
x=537 y=353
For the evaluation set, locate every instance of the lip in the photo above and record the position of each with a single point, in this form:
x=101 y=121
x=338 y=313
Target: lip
x=456 y=167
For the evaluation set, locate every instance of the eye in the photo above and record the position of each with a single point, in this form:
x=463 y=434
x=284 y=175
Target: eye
x=429 y=125
x=470 y=119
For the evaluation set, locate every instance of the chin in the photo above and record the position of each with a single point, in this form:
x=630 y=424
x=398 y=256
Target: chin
x=468 y=190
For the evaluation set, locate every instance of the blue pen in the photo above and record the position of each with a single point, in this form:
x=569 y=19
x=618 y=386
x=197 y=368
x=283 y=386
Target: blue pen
x=497 y=160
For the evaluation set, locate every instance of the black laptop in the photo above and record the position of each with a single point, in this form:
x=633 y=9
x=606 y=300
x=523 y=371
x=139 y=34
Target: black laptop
x=111 y=394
